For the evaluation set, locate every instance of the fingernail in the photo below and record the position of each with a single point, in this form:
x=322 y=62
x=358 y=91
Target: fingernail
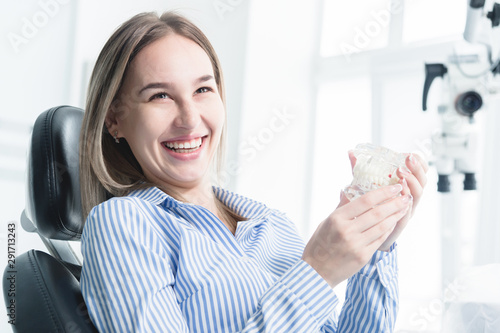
x=396 y=188
x=412 y=159
x=402 y=181
x=404 y=170
x=406 y=198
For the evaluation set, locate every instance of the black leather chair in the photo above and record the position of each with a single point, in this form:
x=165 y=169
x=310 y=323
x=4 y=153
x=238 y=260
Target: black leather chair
x=47 y=286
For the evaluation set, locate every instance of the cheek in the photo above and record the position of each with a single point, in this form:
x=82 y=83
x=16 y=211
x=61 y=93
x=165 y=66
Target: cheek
x=219 y=115
x=221 y=121
x=142 y=132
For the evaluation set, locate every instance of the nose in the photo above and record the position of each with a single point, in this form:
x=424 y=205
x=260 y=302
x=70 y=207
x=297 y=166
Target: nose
x=188 y=115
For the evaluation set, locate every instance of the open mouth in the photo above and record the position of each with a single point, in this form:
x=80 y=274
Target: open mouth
x=185 y=146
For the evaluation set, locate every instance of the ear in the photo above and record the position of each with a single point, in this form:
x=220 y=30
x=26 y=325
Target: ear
x=112 y=122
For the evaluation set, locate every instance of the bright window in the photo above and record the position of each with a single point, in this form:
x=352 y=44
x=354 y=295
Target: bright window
x=354 y=26
x=343 y=120
x=431 y=19
x=378 y=99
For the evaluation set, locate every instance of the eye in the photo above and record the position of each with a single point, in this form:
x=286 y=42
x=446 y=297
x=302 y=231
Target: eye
x=161 y=95
x=203 y=90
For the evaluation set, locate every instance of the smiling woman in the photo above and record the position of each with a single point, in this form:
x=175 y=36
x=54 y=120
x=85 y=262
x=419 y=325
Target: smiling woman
x=167 y=104
x=166 y=251
x=121 y=83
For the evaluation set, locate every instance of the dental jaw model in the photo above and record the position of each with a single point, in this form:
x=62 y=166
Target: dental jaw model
x=375 y=167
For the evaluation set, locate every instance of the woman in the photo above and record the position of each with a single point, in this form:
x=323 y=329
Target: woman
x=169 y=252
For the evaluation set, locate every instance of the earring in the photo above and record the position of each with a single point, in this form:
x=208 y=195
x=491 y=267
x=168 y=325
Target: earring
x=116 y=137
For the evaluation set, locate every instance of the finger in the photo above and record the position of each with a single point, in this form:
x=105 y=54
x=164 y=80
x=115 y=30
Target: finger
x=422 y=161
x=413 y=170
x=417 y=169
x=343 y=199
x=401 y=225
x=406 y=190
x=381 y=212
x=413 y=185
x=368 y=201
x=378 y=233
x=409 y=214
x=376 y=244
x=404 y=220
x=352 y=159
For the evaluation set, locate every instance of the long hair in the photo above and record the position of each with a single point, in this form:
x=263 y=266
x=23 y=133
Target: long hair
x=110 y=169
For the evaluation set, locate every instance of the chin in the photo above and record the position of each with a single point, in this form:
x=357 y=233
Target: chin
x=190 y=179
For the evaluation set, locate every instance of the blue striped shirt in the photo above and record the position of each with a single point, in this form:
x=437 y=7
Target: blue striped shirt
x=155 y=264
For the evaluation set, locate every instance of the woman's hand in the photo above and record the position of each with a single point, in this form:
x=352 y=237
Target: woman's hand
x=346 y=240
x=413 y=183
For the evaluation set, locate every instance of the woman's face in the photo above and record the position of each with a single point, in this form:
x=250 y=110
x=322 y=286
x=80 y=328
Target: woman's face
x=170 y=112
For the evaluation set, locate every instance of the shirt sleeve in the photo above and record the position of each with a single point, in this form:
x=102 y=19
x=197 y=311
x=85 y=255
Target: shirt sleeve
x=127 y=281
x=300 y=301
x=372 y=296
x=371 y=301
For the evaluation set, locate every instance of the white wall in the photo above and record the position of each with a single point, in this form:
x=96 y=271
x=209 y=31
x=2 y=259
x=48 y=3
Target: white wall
x=35 y=64
x=278 y=105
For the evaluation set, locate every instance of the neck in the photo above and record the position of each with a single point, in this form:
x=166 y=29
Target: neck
x=204 y=196
x=201 y=194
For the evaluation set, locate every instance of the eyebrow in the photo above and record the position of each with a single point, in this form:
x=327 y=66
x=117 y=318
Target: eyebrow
x=204 y=78
x=166 y=85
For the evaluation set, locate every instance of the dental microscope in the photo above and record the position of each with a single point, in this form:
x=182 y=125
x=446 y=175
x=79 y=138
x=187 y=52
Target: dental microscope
x=468 y=79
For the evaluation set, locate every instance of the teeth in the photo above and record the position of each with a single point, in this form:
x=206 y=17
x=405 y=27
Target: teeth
x=370 y=174
x=184 y=147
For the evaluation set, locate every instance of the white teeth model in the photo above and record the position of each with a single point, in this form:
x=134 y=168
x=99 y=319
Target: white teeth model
x=375 y=174
x=375 y=167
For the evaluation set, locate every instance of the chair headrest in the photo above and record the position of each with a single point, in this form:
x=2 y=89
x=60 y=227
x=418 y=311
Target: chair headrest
x=53 y=195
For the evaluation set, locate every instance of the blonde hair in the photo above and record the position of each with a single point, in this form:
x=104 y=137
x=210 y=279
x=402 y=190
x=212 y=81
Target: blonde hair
x=106 y=168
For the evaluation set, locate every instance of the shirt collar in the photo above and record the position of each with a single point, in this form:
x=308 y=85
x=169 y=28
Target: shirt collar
x=151 y=194
x=241 y=205
x=156 y=196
